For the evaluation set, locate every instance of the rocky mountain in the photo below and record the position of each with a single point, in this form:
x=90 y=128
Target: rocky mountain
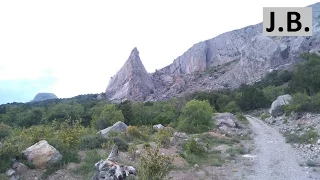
x=237 y=57
x=132 y=81
x=44 y=96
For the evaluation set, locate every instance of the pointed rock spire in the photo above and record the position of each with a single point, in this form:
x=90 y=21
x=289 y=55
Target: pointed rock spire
x=131 y=82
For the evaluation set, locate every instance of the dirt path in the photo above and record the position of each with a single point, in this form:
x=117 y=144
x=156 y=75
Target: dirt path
x=273 y=158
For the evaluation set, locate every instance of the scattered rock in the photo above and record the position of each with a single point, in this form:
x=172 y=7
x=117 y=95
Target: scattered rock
x=180 y=135
x=10 y=172
x=158 y=127
x=225 y=119
x=42 y=154
x=172 y=141
x=109 y=169
x=277 y=105
x=21 y=168
x=117 y=127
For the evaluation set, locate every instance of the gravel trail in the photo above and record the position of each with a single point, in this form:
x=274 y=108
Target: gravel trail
x=273 y=158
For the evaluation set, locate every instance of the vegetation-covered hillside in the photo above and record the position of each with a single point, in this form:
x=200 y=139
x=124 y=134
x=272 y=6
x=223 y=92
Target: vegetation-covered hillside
x=71 y=124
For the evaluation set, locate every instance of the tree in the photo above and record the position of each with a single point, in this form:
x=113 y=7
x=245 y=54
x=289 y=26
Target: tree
x=272 y=92
x=31 y=117
x=251 y=98
x=63 y=111
x=307 y=75
x=196 y=117
x=126 y=108
x=232 y=107
x=108 y=116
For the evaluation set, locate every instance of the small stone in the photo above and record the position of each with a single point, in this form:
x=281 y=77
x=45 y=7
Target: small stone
x=21 y=168
x=10 y=172
x=158 y=127
x=172 y=141
x=138 y=153
x=196 y=166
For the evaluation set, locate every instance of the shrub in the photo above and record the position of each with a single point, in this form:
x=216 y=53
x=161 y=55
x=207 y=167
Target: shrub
x=107 y=145
x=242 y=118
x=146 y=145
x=87 y=169
x=146 y=130
x=109 y=115
x=309 y=136
x=91 y=141
x=196 y=117
x=5 y=130
x=251 y=98
x=132 y=150
x=121 y=143
x=264 y=116
x=232 y=107
x=300 y=102
x=163 y=136
x=192 y=147
x=70 y=133
x=153 y=165
x=272 y=92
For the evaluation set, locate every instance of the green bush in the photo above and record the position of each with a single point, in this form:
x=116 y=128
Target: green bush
x=232 y=107
x=120 y=142
x=87 y=168
x=306 y=76
x=163 y=136
x=192 y=147
x=133 y=133
x=309 y=136
x=108 y=116
x=146 y=130
x=5 y=130
x=300 y=102
x=251 y=98
x=153 y=165
x=264 y=116
x=91 y=141
x=242 y=118
x=196 y=117
x=272 y=92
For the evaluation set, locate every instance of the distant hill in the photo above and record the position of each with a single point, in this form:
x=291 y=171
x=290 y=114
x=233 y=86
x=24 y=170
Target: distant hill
x=44 y=96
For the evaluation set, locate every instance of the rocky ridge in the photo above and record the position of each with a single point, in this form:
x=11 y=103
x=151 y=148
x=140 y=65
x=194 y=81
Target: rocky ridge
x=233 y=58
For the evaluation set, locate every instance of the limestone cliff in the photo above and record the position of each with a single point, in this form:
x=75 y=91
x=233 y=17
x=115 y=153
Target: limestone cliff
x=132 y=81
x=228 y=60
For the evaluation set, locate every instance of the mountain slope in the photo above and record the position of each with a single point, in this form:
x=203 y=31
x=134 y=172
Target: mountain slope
x=233 y=58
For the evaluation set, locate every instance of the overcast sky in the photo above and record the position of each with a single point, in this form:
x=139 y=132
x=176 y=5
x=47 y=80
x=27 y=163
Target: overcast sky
x=72 y=47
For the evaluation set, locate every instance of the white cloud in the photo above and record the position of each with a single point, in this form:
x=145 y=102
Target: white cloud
x=84 y=43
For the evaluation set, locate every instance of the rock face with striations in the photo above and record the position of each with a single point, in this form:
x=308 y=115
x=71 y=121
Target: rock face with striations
x=132 y=81
x=44 y=96
x=237 y=57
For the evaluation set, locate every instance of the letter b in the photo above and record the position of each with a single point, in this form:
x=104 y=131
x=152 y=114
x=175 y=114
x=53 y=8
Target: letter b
x=296 y=21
